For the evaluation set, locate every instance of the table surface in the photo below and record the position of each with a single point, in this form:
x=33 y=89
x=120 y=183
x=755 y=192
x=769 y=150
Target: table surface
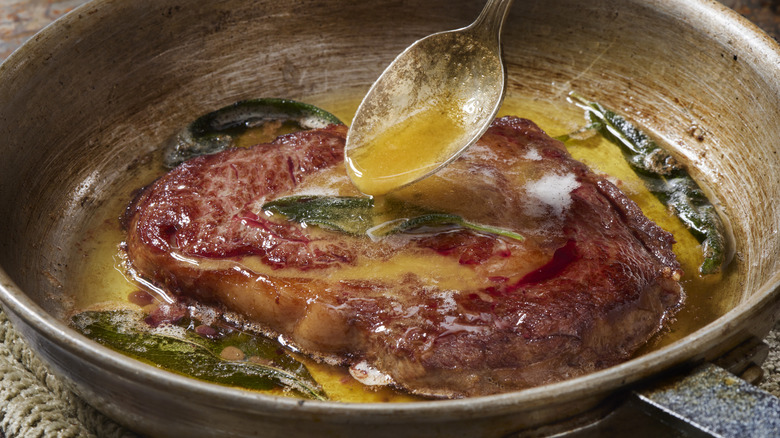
x=19 y=20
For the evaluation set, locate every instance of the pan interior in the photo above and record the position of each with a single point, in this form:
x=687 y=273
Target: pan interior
x=82 y=115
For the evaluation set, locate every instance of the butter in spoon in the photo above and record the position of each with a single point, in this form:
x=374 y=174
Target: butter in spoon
x=433 y=101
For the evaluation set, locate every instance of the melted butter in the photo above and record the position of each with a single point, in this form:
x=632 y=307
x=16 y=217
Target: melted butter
x=443 y=273
x=407 y=151
x=339 y=384
x=100 y=282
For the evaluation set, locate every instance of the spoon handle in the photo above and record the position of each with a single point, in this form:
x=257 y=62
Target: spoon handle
x=491 y=19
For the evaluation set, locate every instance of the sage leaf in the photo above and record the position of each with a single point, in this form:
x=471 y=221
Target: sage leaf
x=359 y=216
x=180 y=350
x=220 y=129
x=347 y=214
x=665 y=178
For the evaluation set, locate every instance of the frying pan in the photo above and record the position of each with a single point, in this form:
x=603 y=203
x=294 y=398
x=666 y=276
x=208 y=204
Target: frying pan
x=103 y=87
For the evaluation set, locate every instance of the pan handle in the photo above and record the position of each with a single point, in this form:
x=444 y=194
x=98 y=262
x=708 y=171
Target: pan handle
x=714 y=403
x=709 y=401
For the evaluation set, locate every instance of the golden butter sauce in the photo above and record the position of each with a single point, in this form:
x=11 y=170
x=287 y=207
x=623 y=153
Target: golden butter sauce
x=101 y=283
x=407 y=151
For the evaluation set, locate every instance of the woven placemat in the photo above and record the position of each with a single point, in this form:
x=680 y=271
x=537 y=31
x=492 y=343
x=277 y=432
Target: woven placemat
x=35 y=403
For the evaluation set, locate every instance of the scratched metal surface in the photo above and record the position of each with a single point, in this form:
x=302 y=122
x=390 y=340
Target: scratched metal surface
x=20 y=20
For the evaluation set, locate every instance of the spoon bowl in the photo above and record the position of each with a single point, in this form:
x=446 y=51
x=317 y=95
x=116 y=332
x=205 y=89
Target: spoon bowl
x=433 y=101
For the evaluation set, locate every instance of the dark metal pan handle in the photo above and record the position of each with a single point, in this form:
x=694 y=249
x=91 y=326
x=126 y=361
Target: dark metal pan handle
x=715 y=399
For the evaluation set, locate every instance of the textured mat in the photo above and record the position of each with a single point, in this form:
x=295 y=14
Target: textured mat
x=35 y=403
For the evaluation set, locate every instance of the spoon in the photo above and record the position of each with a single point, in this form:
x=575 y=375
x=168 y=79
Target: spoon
x=433 y=101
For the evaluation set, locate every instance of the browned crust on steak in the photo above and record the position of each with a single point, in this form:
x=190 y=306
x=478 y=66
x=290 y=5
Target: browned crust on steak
x=587 y=287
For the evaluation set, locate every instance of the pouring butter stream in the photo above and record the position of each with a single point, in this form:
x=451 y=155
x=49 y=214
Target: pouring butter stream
x=433 y=101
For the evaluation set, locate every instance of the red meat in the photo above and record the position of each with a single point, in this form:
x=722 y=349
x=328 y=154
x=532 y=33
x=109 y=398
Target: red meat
x=445 y=313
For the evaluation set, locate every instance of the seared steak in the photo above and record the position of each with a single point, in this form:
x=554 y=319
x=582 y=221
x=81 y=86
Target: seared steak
x=443 y=312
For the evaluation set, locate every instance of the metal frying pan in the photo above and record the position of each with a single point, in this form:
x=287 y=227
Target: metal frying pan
x=107 y=84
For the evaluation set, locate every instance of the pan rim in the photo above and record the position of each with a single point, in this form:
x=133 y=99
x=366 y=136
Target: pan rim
x=652 y=363
x=735 y=27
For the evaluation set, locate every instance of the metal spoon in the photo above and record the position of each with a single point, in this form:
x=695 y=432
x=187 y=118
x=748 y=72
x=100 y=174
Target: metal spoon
x=432 y=102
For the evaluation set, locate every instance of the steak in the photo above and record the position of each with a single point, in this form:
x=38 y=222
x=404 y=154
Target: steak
x=442 y=312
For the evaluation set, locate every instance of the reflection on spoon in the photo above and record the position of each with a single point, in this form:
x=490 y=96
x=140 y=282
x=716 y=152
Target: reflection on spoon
x=436 y=99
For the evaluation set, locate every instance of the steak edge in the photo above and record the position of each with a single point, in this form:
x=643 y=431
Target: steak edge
x=451 y=313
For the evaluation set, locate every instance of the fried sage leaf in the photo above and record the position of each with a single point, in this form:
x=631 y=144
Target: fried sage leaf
x=347 y=214
x=359 y=216
x=666 y=178
x=219 y=130
x=179 y=349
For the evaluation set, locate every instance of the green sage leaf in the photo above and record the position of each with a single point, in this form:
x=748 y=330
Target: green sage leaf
x=347 y=214
x=359 y=216
x=219 y=130
x=179 y=349
x=666 y=178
